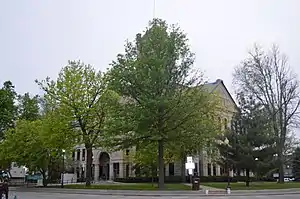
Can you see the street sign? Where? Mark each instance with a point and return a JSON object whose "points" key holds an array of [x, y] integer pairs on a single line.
{"points": [[189, 159], [190, 165]]}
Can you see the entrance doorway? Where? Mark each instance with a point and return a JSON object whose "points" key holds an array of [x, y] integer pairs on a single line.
{"points": [[104, 161]]}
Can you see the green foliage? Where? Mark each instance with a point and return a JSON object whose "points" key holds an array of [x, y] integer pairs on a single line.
{"points": [[296, 163], [250, 143], [82, 95], [37, 144], [163, 97], [145, 159], [8, 109], [28, 107]]}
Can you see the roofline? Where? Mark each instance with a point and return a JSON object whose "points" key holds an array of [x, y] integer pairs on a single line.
{"points": [[220, 81]]}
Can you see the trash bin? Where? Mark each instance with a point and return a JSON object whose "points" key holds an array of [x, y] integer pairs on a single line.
{"points": [[195, 183]]}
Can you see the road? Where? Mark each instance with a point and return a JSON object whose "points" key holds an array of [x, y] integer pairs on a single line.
{"points": [[40, 195]]}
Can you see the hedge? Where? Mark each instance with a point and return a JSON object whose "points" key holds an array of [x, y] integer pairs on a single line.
{"points": [[174, 179], [178, 179]]}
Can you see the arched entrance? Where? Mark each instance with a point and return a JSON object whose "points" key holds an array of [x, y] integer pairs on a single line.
{"points": [[104, 161]]}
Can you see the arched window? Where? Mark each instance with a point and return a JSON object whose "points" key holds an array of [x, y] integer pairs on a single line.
{"points": [[225, 124]]}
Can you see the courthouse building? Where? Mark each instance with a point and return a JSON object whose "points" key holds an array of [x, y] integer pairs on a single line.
{"points": [[108, 166]]}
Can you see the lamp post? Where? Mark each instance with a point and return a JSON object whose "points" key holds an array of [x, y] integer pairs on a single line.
{"points": [[256, 159], [63, 168], [226, 142]]}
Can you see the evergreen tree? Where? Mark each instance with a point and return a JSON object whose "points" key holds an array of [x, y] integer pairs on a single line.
{"points": [[296, 163], [8, 109], [250, 143]]}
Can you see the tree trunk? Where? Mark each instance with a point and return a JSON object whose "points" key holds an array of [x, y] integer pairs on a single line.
{"points": [[183, 171], [247, 177], [281, 168], [152, 175], [45, 180], [89, 153], [161, 169]]}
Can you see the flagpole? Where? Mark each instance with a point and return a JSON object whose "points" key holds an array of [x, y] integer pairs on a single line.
{"points": [[154, 5]]}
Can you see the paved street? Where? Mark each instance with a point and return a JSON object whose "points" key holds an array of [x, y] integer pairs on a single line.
{"points": [[40, 195]]}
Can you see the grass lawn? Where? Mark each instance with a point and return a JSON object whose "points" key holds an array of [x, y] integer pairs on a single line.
{"points": [[254, 185], [128, 186]]}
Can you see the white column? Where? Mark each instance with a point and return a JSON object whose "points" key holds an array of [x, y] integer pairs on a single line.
{"points": [[167, 170], [211, 169], [218, 170], [96, 173], [205, 169], [231, 173], [111, 171], [121, 175]]}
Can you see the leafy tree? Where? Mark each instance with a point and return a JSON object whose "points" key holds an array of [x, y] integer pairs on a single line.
{"points": [[145, 159], [37, 144], [28, 107], [296, 163], [7, 107], [162, 94], [82, 94], [267, 77]]}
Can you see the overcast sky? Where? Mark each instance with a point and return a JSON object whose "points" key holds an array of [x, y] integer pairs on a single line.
{"points": [[38, 37]]}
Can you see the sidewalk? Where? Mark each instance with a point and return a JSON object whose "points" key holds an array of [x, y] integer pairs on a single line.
{"points": [[159, 193]]}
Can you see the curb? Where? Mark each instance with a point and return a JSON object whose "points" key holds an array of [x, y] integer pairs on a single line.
{"points": [[155, 194]]}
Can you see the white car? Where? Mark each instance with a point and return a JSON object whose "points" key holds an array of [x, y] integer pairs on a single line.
{"points": [[287, 179]]}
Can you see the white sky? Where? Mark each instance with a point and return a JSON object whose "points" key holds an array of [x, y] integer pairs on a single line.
{"points": [[37, 37]]}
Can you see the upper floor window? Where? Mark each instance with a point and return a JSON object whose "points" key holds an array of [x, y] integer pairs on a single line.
{"points": [[225, 123], [78, 154], [83, 154]]}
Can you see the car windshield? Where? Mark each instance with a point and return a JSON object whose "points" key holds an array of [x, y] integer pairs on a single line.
{"points": [[4, 174]]}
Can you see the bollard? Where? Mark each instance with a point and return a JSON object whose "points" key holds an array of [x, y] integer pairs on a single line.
{"points": [[206, 191], [228, 190]]}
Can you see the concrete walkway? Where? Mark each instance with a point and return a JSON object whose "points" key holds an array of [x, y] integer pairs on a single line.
{"points": [[203, 188]]}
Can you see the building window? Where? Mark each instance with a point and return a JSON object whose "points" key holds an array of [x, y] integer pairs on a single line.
{"points": [[214, 170], [196, 169], [171, 169], [83, 154], [73, 155], [127, 170], [127, 152], [77, 172], [78, 154], [209, 169], [116, 167], [222, 171]]}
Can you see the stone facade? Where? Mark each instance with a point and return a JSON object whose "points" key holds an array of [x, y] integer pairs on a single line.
{"points": [[108, 166]]}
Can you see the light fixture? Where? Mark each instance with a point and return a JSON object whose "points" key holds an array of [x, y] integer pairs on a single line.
{"points": [[226, 141]]}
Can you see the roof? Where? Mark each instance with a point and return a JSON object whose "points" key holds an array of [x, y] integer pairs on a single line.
{"points": [[211, 87]]}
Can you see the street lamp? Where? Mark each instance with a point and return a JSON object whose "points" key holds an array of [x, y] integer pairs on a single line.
{"points": [[226, 142], [256, 159], [63, 168]]}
